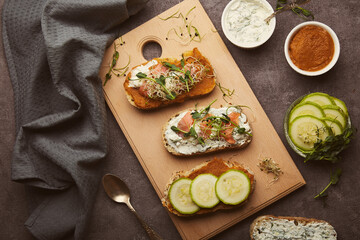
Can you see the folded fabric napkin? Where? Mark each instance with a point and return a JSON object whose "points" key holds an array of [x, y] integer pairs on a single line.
{"points": [[54, 50]]}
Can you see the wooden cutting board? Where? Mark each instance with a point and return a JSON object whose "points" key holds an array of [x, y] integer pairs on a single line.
{"points": [[143, 128]]}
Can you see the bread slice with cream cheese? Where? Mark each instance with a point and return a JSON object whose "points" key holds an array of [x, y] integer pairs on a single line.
{"points": [[269, 227], [212, 134]]}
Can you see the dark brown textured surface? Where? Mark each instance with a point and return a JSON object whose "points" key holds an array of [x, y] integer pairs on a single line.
{"points": [[274, 83]]}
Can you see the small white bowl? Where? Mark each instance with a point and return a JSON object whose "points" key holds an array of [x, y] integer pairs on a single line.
{"points": [[254, 44], [336, 48]]}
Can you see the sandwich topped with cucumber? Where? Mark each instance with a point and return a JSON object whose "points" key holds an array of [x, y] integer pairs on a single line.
{"points": [[210, 186], [319, 126]]}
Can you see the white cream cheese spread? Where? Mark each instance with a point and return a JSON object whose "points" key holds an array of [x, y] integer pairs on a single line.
{"points": [[190, 145], [276, 229], [135, 81], [245, 21]]}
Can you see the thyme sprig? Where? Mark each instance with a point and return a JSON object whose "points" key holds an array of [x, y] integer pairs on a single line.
{"points": [[293, 5]]}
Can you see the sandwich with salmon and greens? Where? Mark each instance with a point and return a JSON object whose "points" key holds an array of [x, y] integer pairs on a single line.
{"points": [[163, 81], [199, 131]]}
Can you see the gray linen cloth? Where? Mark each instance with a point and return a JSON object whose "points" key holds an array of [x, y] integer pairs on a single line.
{"points": [[54, 50]]}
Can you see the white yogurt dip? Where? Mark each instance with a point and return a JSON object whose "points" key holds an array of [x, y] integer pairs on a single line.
{"points": [[244, 24]]}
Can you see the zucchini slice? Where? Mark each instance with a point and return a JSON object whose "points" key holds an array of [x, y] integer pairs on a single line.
{"points": [[180, 199], [306, 130], [202, 190], [306, 108], [334, 126], [319, 98], [233, 187], [341, 104], [335, 112]]}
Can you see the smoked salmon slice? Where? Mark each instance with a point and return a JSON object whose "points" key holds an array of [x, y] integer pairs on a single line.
{"points": [[229, 127], [186, 122]]}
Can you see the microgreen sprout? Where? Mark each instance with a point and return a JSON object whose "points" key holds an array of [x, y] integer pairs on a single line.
{"points": [[161, 81], [117, 71], [334, 178]]}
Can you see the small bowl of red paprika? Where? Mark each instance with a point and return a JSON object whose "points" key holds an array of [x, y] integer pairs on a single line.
{"points": [[312, 48]]}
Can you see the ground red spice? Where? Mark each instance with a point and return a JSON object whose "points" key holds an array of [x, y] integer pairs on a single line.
{"points": [[312, 48]]}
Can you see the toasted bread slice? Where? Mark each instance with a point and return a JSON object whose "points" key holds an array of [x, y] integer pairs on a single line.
{"points": [[206, 83], [216, 167], [271, 228], [209, 146]]}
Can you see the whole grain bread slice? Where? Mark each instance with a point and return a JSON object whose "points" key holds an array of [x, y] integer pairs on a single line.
{"points": [[261, 227], [173, 151], [205, 86], [216, 167]]}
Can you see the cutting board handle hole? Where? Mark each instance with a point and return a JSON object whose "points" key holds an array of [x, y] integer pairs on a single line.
{"points": [[151, 49]]}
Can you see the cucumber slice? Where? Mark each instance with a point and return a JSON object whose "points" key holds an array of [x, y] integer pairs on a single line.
{"points": [[306, 108], [233, 187], [334, 126], [306, 130], [318, 98], [202, 191], [342, 105], [335, 112], [180, 198]]}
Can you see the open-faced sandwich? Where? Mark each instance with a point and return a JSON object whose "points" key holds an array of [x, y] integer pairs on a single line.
{"points": [[211, 186], [164, 81], [198, 131], [273, 228]]}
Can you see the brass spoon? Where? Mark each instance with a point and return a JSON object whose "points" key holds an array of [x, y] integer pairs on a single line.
{"points": [[117, 190]]}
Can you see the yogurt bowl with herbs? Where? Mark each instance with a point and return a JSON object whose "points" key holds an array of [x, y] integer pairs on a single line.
{"points": [[243, 22]]}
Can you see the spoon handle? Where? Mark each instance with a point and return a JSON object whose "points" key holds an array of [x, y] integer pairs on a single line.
{"points": [[151, 233]]}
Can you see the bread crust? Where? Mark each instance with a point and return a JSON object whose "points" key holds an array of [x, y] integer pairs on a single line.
{"points": [[173, 151], [216, 167], [297, 220], [205, 86]]}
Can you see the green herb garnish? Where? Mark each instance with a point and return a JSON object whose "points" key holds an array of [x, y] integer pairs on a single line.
{"points": [[334, 178], [225, 91], [192, 32], [160, 81], [117, 71], [174, 68], [330, 148]]}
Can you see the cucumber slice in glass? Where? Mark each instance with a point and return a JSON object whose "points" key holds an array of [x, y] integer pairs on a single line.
{"points": [[335, 112], [334, 126], [319, 98], [306, 108], [306, 130], [180, 199], [233, 187], [202, 190], [342, 105]]}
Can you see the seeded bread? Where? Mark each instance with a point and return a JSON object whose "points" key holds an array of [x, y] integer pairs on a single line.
{"points": [[172, 150], [273, 228], [205, 86], [216, 167]]}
